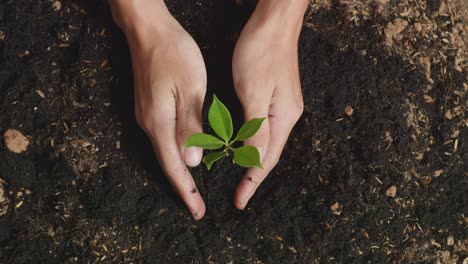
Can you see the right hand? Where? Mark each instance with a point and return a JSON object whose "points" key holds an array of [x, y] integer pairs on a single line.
{"points": [[266, 76], [170, 85]]}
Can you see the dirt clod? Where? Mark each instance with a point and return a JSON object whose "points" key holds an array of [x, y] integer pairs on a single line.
{"points": [[349, 110], [437, 173], [336, 208], [393, 29], [391, 191], [450, 241], [454, 112], [57, 5], [426, 180], [15, 141]]}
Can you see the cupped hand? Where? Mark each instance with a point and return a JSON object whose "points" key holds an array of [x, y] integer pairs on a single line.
{"points": [[170, 85], [267, 82]]}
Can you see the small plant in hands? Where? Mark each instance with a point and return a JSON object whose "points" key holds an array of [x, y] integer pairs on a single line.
{"points": [[221, 123]]}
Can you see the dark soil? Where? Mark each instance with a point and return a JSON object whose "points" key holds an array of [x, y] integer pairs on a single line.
{"points": [[89, 188]]}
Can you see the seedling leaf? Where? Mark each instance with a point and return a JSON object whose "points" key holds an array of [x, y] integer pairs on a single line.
{"points": [[205, 141], [212, 157], [249, 129], [220, 119], [221, 122], [247, 157]]}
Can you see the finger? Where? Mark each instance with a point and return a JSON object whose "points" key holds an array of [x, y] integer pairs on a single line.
{"points": [[162, 132], [255, 176], [176, 171], [257, 107], [189, 121], [280, 126]]}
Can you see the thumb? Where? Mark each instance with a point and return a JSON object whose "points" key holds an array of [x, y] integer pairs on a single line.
{"points": [[261, 138], [189, 112]]}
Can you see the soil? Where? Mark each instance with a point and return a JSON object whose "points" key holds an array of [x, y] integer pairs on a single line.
{"points": [[374, 172]]}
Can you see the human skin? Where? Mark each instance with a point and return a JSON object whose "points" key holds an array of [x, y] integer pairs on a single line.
{"points": [[266, 78], [170, 86]]}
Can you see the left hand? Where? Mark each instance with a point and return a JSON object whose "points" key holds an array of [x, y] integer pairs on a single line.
{"points": [[266, 78]]}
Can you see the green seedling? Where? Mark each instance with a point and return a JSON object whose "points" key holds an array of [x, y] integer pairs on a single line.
{"points": [[221, 123]]}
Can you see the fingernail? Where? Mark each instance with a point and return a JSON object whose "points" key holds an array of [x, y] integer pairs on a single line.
{"points": [[249, 189], [260, 151], [240, 204], [243, 204], [192, 156], [195, 216]]}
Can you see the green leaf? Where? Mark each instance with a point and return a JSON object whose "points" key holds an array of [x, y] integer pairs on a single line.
{"points": [[212, 157], [220, 119], [247, 157], [205, 141], [249, 129]]}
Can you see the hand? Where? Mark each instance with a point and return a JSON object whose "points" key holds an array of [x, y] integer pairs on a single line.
{"points": [[170, 85], [266, 78]]}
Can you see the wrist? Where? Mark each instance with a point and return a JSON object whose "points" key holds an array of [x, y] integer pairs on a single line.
{"points": [[137, 17], [281, 14]]}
